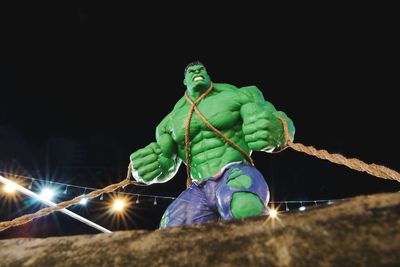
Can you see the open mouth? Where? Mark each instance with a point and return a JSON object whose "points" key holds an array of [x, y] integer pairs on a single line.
{"points": [[198, 78]]}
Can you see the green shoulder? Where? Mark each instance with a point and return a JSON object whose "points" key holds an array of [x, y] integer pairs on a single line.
{"points": [[253, 93], [181, 103], [164, 126], [221, 87]]}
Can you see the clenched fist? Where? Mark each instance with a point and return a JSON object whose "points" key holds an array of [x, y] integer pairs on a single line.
{"points": [[262, 129], [149, 165]]}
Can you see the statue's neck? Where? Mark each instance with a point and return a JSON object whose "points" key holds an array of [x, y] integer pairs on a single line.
{"points": [[195, 94]]}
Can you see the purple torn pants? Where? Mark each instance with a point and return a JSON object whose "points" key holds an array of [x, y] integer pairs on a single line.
{"points": [[210, 199]]}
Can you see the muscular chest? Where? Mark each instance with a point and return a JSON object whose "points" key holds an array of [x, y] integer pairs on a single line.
{"points": [[222, 113]]}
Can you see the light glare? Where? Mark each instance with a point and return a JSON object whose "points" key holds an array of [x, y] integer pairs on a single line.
{"points": [[47, 194], [83, 201], [273, 213], [302, 208], [9, 188], [118, 205]]}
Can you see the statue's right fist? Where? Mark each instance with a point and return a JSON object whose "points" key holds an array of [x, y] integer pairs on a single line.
{"points": [[145, 163]]}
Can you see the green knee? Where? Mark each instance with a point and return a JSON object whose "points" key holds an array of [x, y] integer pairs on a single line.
{"points": [[240, 182], [164, 220], [234, 173], [246, 204]]}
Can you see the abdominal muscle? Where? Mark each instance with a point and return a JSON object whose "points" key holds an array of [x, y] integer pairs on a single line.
{"points": [[210, 154]]}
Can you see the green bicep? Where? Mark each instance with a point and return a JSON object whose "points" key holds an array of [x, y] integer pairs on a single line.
{"points": [[167, 145], [164, 139]]}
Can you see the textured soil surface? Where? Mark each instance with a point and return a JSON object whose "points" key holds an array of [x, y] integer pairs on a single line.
{"points": [[361, 231]]}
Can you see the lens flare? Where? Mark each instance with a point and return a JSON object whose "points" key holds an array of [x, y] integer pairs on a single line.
{"points": [[47, 193], [273, 213], [9, 188], [118, 205], [118, 211]]}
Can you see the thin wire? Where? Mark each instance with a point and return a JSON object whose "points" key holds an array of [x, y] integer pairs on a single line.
{"points": [[306, 201], [157, 196], [83, 187]]}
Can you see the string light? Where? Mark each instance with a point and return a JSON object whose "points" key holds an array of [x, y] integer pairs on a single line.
{"points": [[47, 193], [9, 188], [50, 193], [68, 186], [30, 185], [118, 205], [83, 201], [52, 204], [273, 213], [302, 208]]}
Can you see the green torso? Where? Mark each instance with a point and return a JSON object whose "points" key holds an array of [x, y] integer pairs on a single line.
{"points": [[244, 120], [209, 152]]}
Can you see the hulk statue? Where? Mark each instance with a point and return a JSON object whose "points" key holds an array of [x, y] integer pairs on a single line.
{"points": [[213, 129]]}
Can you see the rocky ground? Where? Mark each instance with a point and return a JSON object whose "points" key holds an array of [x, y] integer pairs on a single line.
{"points": [[362, 231]]}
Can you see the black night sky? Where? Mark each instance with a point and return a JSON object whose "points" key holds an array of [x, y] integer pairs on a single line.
{"points": [[84, 87]]}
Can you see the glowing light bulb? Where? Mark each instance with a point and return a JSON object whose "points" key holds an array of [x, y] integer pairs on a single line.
{"points": [[47, 194], [273, 213], [83, 201], [9, 188], [118, 205]]}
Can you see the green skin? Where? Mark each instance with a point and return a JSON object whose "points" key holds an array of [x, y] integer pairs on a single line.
{"points": [[240, 114]]}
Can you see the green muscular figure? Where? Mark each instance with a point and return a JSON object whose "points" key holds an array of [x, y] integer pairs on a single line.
{"points": [[213, 129]]}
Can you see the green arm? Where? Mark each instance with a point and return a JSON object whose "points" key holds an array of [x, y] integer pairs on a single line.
{"points": [[157, 162], [262, 129], [169, 160]]}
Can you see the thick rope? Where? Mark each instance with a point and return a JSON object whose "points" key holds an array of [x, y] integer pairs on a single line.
{"points": [[63, 205], [187, 130], [212, 128], [220, 134], [355, 164]]}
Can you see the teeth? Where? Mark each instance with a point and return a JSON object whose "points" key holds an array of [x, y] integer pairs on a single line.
{"points": [[198, 78]]}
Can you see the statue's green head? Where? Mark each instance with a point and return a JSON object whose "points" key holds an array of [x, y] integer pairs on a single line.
{"points": [[196, 77]]}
